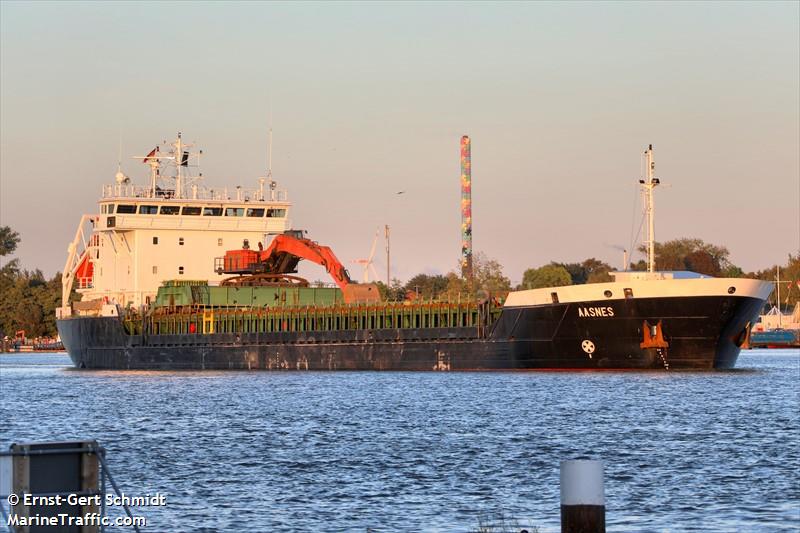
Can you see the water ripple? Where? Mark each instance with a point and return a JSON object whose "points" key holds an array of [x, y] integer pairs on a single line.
{"points": [[260, 451]]}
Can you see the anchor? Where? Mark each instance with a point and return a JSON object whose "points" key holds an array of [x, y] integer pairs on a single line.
{"points": [[743, 339], [653, 337]]}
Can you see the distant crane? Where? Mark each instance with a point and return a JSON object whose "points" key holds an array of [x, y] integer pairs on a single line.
{"points": [[367, 264]]}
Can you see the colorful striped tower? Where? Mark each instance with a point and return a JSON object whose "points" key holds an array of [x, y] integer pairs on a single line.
{"points": [[466, 208]]}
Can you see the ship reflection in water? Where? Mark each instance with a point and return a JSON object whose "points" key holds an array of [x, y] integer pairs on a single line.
{"points": [[402, 451]]}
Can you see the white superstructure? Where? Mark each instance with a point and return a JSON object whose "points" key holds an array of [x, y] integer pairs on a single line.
{"points": [[173, 228], [640, 285]]}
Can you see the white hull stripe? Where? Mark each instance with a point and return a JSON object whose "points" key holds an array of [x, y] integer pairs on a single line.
{"points": [[662, 288]]}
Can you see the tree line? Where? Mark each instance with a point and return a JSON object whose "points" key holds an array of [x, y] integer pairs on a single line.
{"points": [[680, 254], [28, 300]]}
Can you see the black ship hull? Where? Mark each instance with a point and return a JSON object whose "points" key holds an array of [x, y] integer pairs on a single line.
{"points": [[698, 332]]}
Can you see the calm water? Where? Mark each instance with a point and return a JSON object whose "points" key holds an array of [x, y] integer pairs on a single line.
{"points": [[259, 451]]}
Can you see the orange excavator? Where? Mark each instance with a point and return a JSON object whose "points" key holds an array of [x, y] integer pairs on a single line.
{"points": [[275, 265]]}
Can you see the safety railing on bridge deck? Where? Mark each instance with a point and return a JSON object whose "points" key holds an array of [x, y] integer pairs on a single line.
{"points": [[237, 194]]}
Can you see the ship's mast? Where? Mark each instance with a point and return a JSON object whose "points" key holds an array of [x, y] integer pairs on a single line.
{"points": [[648, 185], [269, 165], [180, 156], [269, 156], [178, 164], [268, 179], [154, 163]]}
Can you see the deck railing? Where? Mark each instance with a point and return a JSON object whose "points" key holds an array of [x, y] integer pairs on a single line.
{"points": [[225, 194], [209, 320]]}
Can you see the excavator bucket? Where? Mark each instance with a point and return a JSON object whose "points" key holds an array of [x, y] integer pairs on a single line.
{"points": [[361, 293]]}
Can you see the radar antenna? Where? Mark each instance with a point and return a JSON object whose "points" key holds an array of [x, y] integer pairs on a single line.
{"points": [[180, 157]]}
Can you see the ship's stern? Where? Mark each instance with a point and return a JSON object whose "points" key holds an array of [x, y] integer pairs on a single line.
{"points": [[89, 336]]}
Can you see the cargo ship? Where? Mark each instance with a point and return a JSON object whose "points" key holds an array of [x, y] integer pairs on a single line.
{"points": [[262, 316]]}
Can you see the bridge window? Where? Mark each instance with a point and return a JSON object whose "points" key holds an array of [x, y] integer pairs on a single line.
{"points": [[193, 210], [124, 208], [212, 211], [219, 242], [155, 270], [170, 210], [148, 209], [180, 241], [234, 211], [180, 270], [276, 213], [155, 240], [554, 297], [255, 212]]}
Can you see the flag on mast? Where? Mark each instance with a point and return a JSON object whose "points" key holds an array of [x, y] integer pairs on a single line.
{"points": [[150, 155]]}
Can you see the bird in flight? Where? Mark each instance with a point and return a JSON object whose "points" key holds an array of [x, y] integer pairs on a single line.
{"points": [[401, 192]]}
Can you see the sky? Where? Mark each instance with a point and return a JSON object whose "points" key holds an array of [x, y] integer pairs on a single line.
{"points": [[369, 99]]}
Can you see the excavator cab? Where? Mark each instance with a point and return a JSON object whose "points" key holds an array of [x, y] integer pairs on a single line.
{"points": [[296, 233]]}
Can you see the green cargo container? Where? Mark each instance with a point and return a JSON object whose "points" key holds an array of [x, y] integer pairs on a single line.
{"points": [[199, 294]]}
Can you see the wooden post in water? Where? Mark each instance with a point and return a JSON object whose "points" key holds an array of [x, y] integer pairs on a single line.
{"points": [[583, 504]]}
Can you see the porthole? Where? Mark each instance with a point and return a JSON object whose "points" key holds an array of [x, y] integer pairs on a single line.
{"points": [[731, 290], [607, 294]]}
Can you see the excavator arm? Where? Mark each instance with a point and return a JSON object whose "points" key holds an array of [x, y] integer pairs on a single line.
{"points": [[286, 251], [282, 257]]}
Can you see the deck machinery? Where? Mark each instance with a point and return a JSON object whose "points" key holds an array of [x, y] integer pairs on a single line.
{"points": [[274, 266], [263, 296]]}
